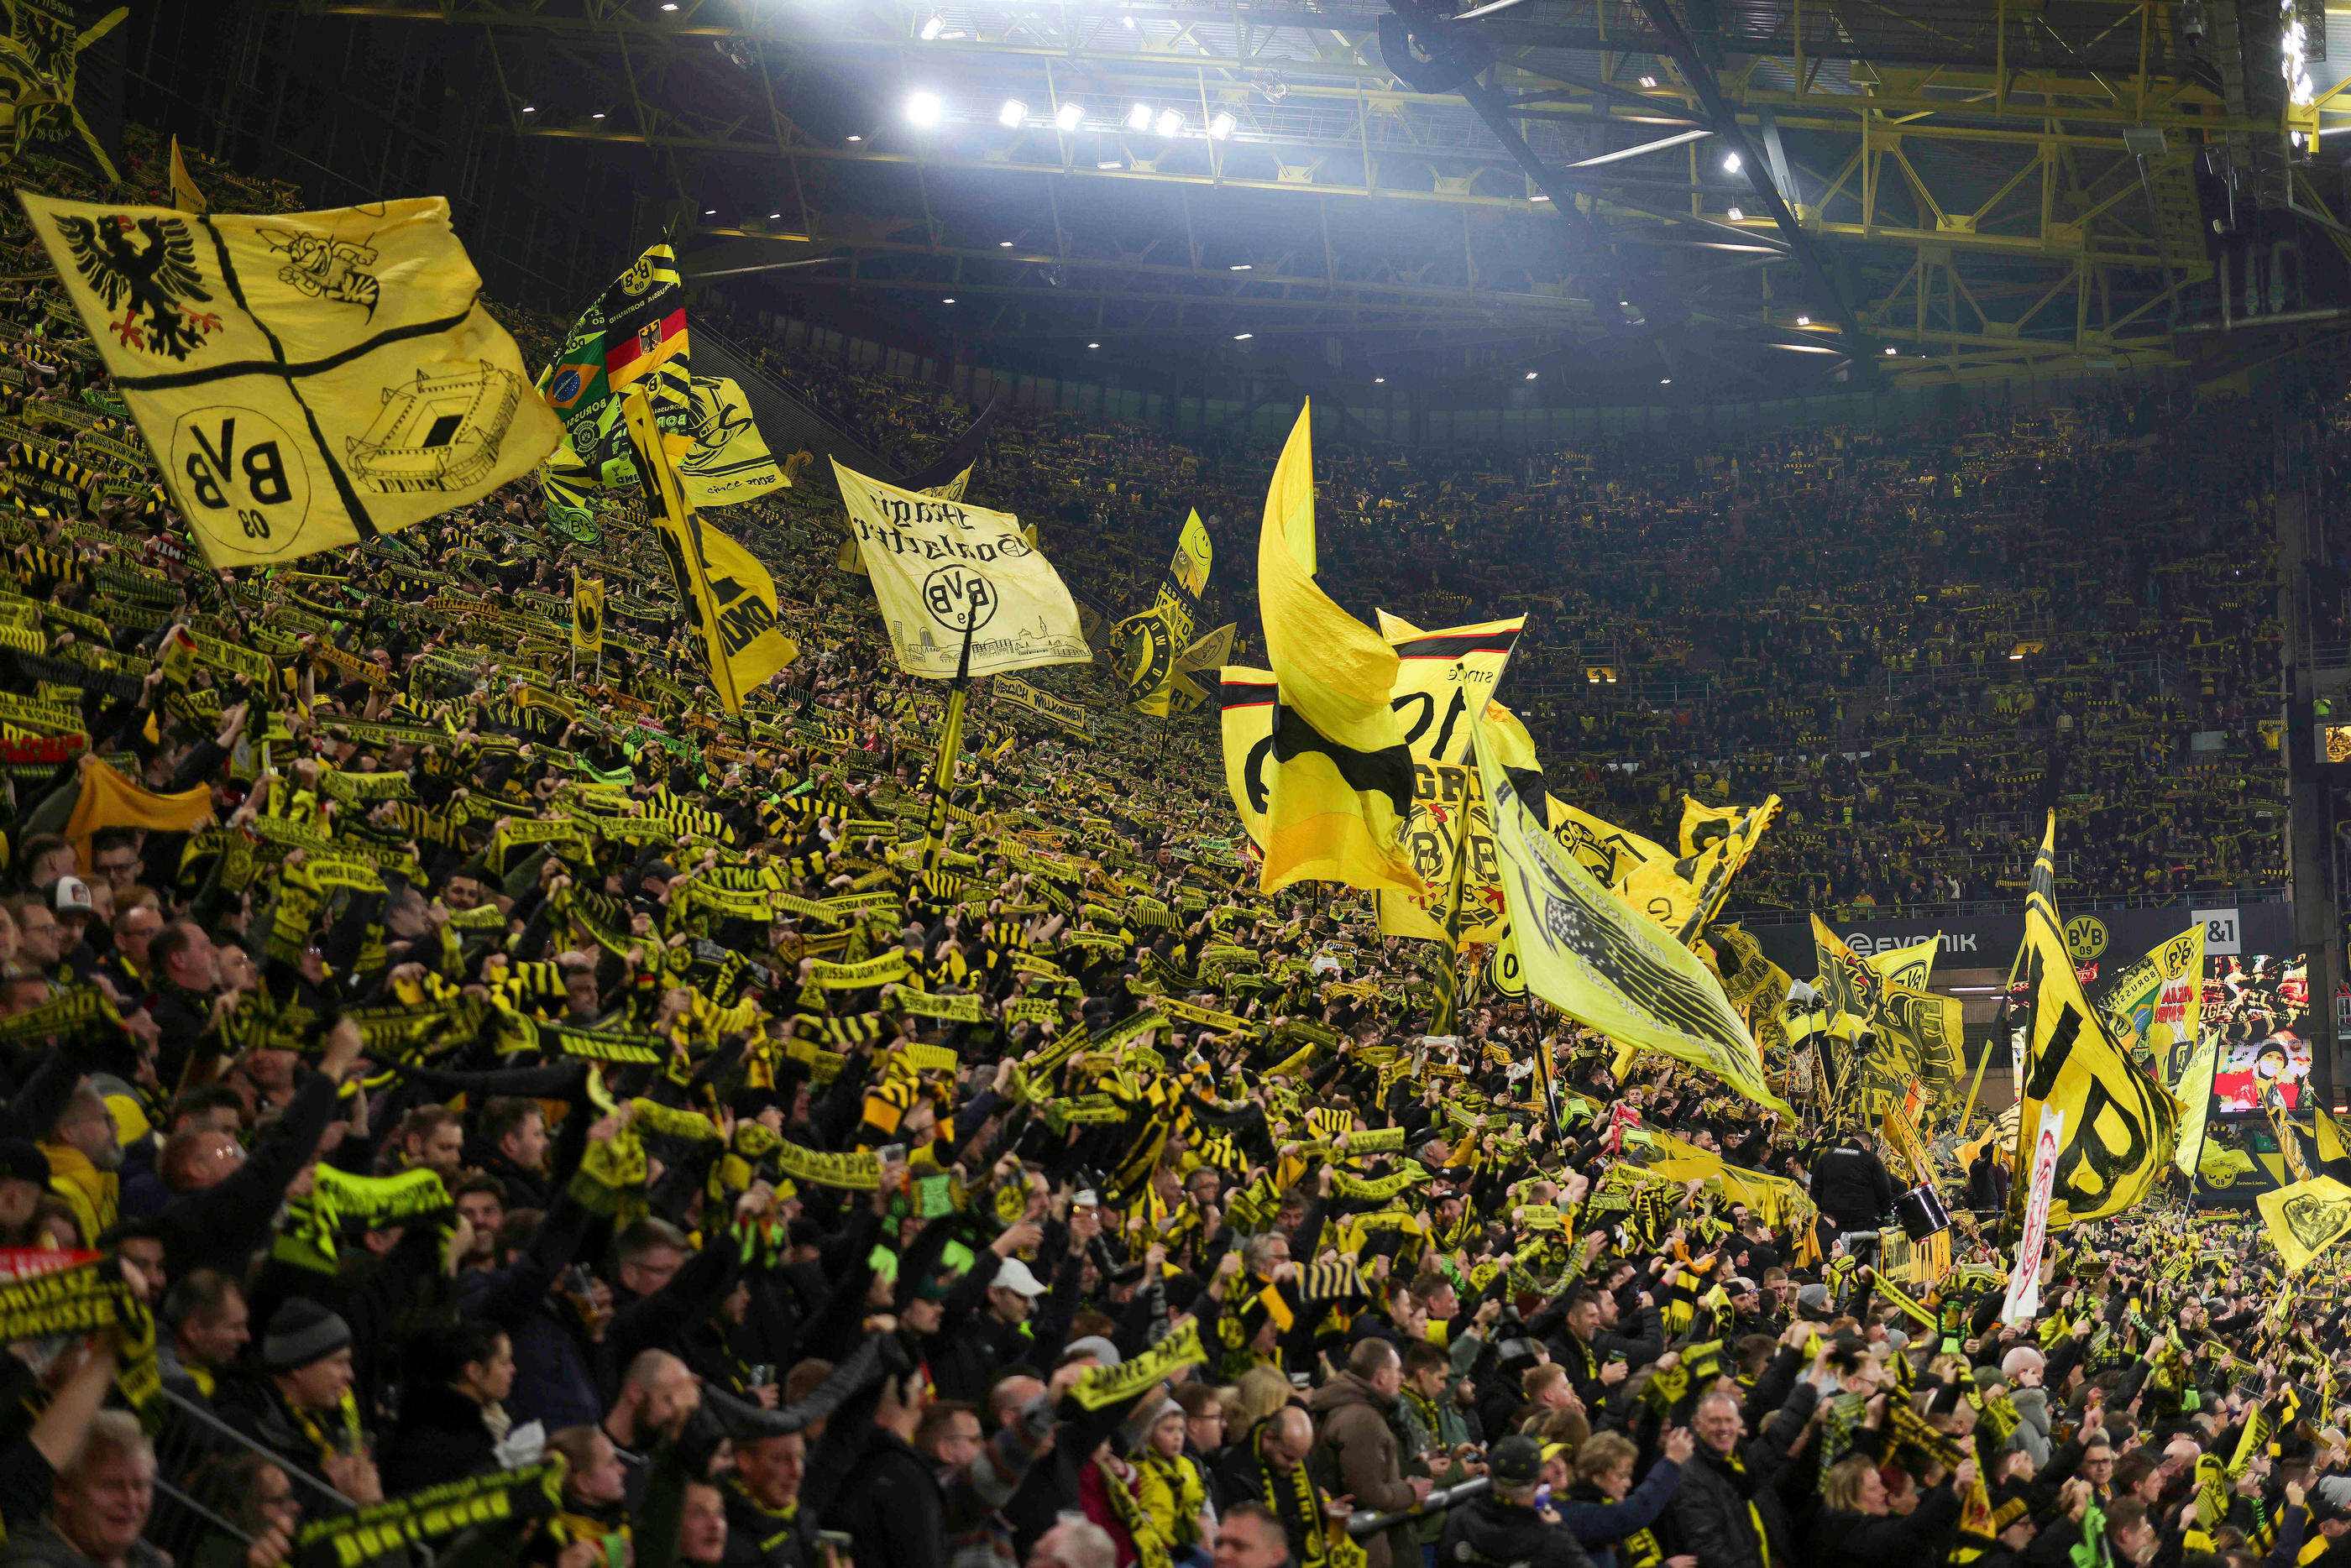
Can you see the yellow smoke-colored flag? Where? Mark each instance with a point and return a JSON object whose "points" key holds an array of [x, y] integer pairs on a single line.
{"points": [[1600, 962], [587, 613], [2121, 1126], [306, 380], [184, 194], [725, 593], [2194, 1093], [1245, 699], [2306, 1219], [1716, 841], [1342, 776], [2331, 1145]]}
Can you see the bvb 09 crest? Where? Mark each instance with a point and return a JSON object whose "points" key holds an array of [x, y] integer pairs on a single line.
{"points": [[2086, 938]]}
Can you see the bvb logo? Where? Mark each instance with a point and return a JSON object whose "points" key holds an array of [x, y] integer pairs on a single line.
{"points": [[242, 472], [638, 278], [2086, 938], [959, 598]]}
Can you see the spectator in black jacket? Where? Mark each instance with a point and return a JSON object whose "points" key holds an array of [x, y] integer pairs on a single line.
{"points": [[1850, 1186]]}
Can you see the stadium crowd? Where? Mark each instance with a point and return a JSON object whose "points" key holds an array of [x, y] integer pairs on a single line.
{"points": [[437, 1069]]}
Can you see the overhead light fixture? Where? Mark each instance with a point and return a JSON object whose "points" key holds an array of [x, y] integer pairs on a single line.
{"points": [[924, 109], [1093, 344], [1013, 112], [1730, 163], [1623, 153], [1664, 380], [1538, 196], [1004, 244], [1737, 216], [948, 300], [1070, 115], [1238, 266], [669, 5], [1379, 380], [1221, 125], [773, 216], [1110, 163], [1139, 118], [932, 27], [1169, 122], [533, 108], [1130, 22], [1804, 321], [1890, 349], [1648, 82], [1803, 347], [598, 115], [709, 212], [1243, 336], [857, 139], [1531, 374]]}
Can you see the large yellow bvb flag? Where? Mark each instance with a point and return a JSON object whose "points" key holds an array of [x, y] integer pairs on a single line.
{"points": [[306, 380], [1341, 774]]}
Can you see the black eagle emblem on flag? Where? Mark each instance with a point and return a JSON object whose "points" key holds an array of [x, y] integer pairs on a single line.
{"points": [[150, 266]]}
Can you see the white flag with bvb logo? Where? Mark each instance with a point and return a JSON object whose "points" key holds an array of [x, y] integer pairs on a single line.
{"points": [[939, 566], [307, 380]]}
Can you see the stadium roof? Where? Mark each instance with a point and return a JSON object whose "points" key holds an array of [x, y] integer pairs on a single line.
{"points": [[1751, 197]]}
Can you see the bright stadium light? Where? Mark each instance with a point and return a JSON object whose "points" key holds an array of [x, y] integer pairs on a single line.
{"points": [[1533, 374], [1737, 216], [1221, 126], [1240, 266], [1804, 321], [1891, 349], [1139, 118], [1379, 380], [1069, 116], [1093, 344], [1648, 82], [1243, 336], [1013, 112], [1004, 244], [933, 27], [924, 109], [1170, 122], [1730, 163]]}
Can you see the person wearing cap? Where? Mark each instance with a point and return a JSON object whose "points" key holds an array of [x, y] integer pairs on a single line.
{"points": [[974, 1327], [1505, 1527], [76, 909], [299, 1406]]}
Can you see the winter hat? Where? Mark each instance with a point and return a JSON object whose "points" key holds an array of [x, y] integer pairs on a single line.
{"points": [[301, 1332]]}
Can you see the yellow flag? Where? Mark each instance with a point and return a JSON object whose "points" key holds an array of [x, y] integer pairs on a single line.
{"points": [[728, 460], [1185, 692], [1245, 699], [941, 567], [2121, 1127], [587, 613], [184, 194], [725, 593], [1444, 678], [2194, 1091], [1448, 820], [1716, 841], [1911, 966], [1584, 953], [2155, 1006], [306, 380], [2306, 1219], [2331, 1147], [1147, 645], [1342, 776]]}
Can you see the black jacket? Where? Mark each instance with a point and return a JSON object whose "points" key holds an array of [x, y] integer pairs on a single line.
{"points": [[1864, 1541], [1708, 1514], [1851, 1187], [1486, 1532], [890, 1506], [440, 1436]]}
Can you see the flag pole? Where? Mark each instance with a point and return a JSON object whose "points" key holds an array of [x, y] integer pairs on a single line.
{"points": [[950, 742], [1448, 995]]}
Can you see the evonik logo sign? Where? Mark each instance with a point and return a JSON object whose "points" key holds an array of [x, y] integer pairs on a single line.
{"points": [[1864, 946]]}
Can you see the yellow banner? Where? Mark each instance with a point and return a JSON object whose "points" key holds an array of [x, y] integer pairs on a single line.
{"points": [[1443, 678], [2121, 1126], [587, 613], [727, 593], [730, 459], [1146, 646], [2155, 1007], [1448, 818], [295, 403], [1584, 953], [942, 567], [2306, 1219]]}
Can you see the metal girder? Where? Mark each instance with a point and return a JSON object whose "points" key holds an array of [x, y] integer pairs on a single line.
{"points": [[1956, 165]]}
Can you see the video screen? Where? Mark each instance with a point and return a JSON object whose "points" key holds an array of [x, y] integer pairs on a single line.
{"points": [[2255, 1007]]}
